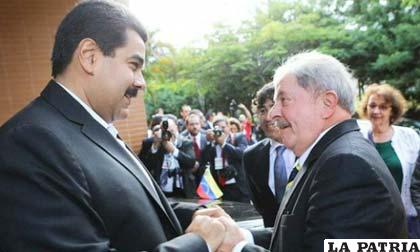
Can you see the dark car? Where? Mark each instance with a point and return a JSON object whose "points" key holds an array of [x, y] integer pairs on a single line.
{"points": [[244, 214]]}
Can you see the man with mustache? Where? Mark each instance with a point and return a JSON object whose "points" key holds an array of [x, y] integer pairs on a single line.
{"points": [[341, 188], [267, 163], [69, 183]]}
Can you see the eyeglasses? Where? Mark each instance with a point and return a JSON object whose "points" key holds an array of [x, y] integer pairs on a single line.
{"points": [[381, 107]]}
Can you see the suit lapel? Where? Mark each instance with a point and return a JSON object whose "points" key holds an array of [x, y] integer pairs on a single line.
{"points": [[97, 134], [72, 110], [263, 156], [203, 141]]}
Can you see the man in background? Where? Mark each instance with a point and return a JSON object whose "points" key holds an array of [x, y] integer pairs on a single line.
{"points": [[170, 159], [340, 188], [197, 136], [224, 155], [267, 163], [184, 112]]}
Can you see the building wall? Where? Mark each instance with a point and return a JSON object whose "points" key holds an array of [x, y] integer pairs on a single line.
{"points": [[27, 29]]}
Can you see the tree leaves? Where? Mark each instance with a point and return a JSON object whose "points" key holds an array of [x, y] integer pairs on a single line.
{"points": [[379, 40]]}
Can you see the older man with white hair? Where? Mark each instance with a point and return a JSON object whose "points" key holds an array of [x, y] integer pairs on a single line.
{"points": [[340, 187]]}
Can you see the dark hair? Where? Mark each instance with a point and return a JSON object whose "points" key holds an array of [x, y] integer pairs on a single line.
{"points": [[103, 21], [156, 120], [266, 92]]}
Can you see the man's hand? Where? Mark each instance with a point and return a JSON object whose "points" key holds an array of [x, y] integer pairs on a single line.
{"points": [[169, 146], [233, 236], [213, 212], [241, 106], [195, 167], [210, 229], [210, 135]]}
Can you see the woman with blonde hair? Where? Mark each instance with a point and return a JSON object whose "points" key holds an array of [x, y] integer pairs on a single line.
{"points": [[235, 125], [398, 146]]}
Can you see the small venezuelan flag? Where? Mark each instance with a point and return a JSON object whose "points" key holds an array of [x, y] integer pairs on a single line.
{"points": [[208, 188]]}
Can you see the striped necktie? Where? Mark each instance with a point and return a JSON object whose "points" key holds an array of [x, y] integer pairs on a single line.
{"points": [[296, 169]]}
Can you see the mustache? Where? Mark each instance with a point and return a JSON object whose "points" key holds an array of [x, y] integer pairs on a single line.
{"points": [[281, 124], [131, 92]]}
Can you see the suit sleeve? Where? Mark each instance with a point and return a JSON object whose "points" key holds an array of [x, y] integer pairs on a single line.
{"points": [[146, 156], [45, 197], [205, 158], [415, 185], [236, 151], [186, 155], [143, 150], [187, 242], [46, 203], [184, 212], [248, 162]]}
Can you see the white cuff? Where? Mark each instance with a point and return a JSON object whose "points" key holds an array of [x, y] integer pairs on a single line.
{"points": [[176, 153], [238, 247], [248, 235], [153, 149], [208, 247]]}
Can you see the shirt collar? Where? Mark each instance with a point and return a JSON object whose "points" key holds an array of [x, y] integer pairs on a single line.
{"points": [[273, 145], [109, 126]]}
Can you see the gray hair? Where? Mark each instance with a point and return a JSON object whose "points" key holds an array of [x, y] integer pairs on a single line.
{"points": [[320, 72]]}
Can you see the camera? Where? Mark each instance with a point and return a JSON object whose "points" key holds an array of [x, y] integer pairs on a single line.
{"points": [[217, 131], [166, 134], [229, 172]]}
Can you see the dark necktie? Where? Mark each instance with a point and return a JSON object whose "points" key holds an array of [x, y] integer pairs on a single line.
{"points": [[197, 150], [280, 174], [296, 169]]}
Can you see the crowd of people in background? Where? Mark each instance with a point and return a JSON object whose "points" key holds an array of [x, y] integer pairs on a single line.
{"points": [[196, 142]]}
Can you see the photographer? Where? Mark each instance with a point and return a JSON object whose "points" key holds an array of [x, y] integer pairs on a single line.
{"points": [[169, 159], [224, 154]]}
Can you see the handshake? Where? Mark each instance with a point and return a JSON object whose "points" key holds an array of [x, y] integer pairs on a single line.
{"points": [[217, 228]]}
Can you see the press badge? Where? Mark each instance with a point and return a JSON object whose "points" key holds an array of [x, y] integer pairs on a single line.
{"points": [[218, 163]]}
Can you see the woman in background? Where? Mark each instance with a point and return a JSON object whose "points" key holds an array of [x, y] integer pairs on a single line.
{"points": [[398, 146]]}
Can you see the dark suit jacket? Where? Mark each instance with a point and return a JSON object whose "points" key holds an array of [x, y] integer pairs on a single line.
{"points": [[67, 185], [256, 162], [203, 139], [234, 154], [153, 162], [344, 190], [415, 185]]}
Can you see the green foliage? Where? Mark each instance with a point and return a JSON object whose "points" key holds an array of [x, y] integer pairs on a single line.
{"points": [[378, 40]]}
